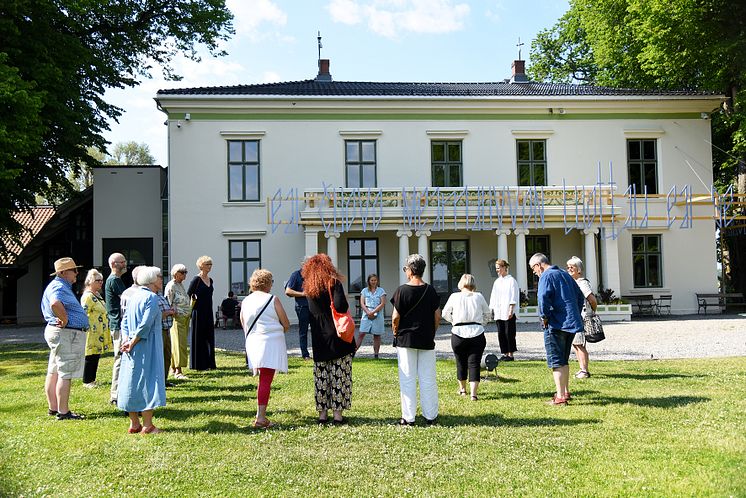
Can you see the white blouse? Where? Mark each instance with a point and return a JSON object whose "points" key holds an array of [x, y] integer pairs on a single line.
{"points": [[504, 293], [470, 308]]}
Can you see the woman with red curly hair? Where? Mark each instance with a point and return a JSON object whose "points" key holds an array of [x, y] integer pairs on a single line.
{"points": [[332, 357]]}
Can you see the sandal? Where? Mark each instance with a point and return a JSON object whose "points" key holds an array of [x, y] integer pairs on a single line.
{"points": [[69, 416], [151, 430], [557, 401], [582, 374], [263, 425], [474, 398], [462, 392], [134, 430], [404, 423], [342, 421]]}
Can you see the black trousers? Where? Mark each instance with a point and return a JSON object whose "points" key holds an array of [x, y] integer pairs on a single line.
{"points": [[468, 353], [506, 335], [90, 367]]}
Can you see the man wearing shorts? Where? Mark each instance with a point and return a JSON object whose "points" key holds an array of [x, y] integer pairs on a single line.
{"points": [[560, 302], [65, 333]]}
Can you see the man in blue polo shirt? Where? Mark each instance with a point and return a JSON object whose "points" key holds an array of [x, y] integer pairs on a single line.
{"points": [[560, 302], [294, 289], [65, 334]]}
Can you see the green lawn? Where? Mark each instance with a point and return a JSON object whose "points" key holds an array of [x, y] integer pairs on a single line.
{"points": [[638, 428]]}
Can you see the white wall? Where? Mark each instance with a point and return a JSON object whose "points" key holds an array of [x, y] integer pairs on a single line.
{"points": [[127, 203], [305, 154]]}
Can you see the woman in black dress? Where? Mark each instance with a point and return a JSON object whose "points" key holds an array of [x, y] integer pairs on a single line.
{"points": [[202, 354], [332, 357]]}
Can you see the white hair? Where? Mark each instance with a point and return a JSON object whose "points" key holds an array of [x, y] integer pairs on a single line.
{"points": [[92, 275], [576, 262], [147, 275], [135, 271], [177, 268], [115, 255], [538, 259]]}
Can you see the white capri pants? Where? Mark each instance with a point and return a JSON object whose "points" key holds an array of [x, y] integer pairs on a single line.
{"points": [[414, 365]]}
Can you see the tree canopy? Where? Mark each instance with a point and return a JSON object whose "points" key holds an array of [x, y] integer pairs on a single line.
{"points": [[57, 58], [663, 44]]}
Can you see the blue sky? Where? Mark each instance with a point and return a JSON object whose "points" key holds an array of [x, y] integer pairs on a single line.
{"points": [[366, 40]]}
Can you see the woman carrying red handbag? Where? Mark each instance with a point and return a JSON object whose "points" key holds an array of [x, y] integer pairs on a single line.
{"points": [[332, 356]]}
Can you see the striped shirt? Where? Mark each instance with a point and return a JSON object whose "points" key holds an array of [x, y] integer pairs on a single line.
{"points": [[61, 290], [167, 321]]}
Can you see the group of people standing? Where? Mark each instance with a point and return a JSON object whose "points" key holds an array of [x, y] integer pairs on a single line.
{"points": [[145, 326], [147, 331]]}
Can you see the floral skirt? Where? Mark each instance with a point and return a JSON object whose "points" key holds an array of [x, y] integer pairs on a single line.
{"points": [[333, 384]]}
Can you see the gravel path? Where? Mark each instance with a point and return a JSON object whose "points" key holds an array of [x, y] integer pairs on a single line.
{"points": [[674, 337]]}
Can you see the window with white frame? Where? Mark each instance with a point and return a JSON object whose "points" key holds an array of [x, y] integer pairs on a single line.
{"points": [[647, 261], [360, 163], [362, 260], [243, 170], [532, 162], [447, 165], [642, 165], [244, 257]]}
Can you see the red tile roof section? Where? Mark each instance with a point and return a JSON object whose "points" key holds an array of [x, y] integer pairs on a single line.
{"points": [[32, 221]]}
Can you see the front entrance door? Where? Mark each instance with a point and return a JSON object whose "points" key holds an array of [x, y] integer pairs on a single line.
{"points": [[449, 259]]}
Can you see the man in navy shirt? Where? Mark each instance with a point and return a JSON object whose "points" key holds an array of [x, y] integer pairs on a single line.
{"points": [[65, 334], [560, 303], [294, 288], [113, 293]]}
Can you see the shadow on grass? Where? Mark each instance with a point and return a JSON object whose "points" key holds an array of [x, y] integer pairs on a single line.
{"points": [[654, 402], [645, 376], [444, 422], [499, 379], [537, 395], [217, 397], [25, 352]]}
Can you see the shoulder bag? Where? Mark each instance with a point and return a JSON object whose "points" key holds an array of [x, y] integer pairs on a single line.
{"points": [[248, 331], [343, 322], [594, 331]]}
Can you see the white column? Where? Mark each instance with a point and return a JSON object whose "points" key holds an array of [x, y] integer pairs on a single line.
{"points": [[502, 244], [403, 252], [591, 272], [610, 264], [521, 270], [423, 248], [331, 246], [312, 242]]}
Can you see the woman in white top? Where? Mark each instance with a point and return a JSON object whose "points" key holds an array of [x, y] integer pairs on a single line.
{"points": [[575, 269], [264, 322], [468, 312], [504, 301]]}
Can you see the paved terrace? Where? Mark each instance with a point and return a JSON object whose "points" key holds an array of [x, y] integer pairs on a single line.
{"points": [[690, 336]]}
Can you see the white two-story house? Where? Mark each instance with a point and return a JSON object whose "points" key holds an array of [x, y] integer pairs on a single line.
{"points": [[462, 173]]}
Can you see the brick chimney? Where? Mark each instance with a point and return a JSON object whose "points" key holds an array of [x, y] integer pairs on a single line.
{"points": [[324, 74], [519, 72]]}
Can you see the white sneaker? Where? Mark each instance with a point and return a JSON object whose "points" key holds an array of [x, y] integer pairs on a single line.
{"points": [[91, 385]]}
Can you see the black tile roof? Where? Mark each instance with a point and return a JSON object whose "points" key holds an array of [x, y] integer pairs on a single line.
{"points": [[315, 88]]}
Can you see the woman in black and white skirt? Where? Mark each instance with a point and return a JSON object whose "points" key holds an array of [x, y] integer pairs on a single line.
{"points": [[332, 357]]}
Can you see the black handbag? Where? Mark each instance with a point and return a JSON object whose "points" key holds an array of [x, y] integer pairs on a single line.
{"points": [[594, 330]]}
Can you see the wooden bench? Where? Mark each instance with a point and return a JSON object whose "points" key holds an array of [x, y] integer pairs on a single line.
{"points": [[642, 304], [720, 301]]}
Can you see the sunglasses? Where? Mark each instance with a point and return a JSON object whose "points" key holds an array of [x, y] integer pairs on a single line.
{"points": [[98, 280]]}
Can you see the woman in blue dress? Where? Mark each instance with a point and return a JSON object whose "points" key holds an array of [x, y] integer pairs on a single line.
{"points": [[142, 387], [372, 302]]}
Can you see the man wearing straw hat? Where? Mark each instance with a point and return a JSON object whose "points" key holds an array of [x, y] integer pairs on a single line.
{"points": [[65, 334]]}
